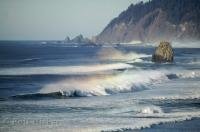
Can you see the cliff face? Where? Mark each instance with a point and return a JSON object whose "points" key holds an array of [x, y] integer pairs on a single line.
{"points": [[154, 21]]}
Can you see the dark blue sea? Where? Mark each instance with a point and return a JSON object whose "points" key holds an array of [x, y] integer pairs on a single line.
{"points": [[48, 87]]}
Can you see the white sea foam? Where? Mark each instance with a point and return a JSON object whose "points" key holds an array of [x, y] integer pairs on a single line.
{"points": [[30, 59], [188, 73], [102, 84], [127, 81], [139, 60], [103, 54], [148, 122], [151, 110], [107, 84], [62, 70]]}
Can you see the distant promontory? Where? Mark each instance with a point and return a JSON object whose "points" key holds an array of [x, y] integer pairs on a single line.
{"points": [[78, 40], [153, 21]]}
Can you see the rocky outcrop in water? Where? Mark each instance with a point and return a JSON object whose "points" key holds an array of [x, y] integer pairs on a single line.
{"points": [[163, 53], [67, 39], [78, 40]]}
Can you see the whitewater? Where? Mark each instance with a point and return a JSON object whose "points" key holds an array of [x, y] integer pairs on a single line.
{"points": [[49, 87]]}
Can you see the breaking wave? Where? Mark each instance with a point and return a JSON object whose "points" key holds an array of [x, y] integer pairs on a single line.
{"points": [[187, 74], [107, 84], [63, 70], [30, 60], [151, 110], [148, 123], [57, 95], [103, 54]]}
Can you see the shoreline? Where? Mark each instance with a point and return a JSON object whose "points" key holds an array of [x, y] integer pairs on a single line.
{"points": [[192, 125]]}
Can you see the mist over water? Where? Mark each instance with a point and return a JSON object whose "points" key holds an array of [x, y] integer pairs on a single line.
{"points": [[182, 44], [114, 54]]}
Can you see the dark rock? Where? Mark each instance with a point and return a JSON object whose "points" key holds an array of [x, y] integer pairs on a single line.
{"points": [[163, 53], [78, 40], [67, 39]]}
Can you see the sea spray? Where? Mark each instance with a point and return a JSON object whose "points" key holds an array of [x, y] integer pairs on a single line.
{"points": [[112, 53], [107, 84]]}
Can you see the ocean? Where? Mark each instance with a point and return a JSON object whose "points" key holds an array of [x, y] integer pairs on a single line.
{"points": [[48, 87]]}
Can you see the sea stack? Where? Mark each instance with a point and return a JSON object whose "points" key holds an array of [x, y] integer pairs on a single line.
{"points": [[163, 53]]}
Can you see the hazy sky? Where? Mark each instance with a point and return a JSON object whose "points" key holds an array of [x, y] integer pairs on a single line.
{"points": [[54, 19]]}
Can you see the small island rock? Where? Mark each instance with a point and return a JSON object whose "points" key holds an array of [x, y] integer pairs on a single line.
{"points": [[78, 40], [67, 40], [163, 53]]}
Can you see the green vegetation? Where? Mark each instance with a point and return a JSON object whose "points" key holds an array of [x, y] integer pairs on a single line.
{"points": [[178, 11]]}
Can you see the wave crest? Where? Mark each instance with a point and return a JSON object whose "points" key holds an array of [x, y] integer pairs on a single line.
{"points": [[107, 84], [64, 70], [151, 110]]}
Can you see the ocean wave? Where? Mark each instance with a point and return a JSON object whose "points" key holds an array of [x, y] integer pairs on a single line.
{"points": [[151, 110], [141, 61], [177, 97], [97, 85], [30, 60], [133, 80], [107, 84], [180, 73], [188, 74], [58, 95], [150, 123], [64, 70], [148, 120]]}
